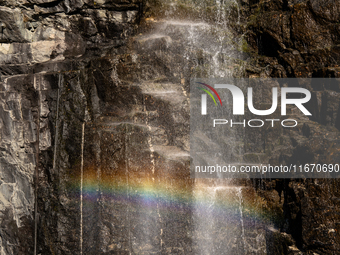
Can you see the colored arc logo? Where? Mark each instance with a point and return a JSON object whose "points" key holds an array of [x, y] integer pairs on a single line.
{"points": [[209, 93]]}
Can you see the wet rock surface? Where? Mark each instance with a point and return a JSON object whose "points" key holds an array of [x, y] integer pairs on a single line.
{"points": [[99, 107], [46, 96], [300, 39]]}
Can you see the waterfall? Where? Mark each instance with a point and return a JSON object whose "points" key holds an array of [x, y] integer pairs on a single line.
{"points": [[57, 124], [36, 177], [152, 206], [81, 186], [209, 50], [218, 218], [239, 195]]}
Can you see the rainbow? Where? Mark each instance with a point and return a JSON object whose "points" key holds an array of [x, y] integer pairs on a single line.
{"points": [[175, 196]]}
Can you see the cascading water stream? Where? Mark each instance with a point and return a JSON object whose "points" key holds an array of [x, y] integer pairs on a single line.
{"points": [[218, 217], [159, 210], [81, 187], [208, 51], [239, 195]]}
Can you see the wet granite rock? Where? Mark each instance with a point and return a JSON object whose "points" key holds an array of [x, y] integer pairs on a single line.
{"points": [[304, 44], [67, 63], [42, 108], [12, 26], [329, 10]]}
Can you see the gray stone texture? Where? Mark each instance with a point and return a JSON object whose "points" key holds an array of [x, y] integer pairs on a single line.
{"points": [[65, 63]]}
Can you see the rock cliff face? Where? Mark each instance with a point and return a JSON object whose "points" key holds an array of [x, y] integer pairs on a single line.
{"points": [[94, 111], [301, 39], [53, 54]]}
